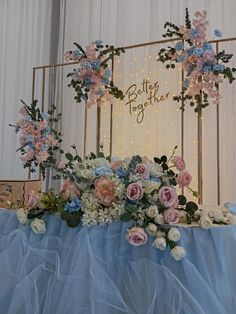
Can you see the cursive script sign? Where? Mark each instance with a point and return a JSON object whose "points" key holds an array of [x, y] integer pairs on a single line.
{"points": [[152, 97]]}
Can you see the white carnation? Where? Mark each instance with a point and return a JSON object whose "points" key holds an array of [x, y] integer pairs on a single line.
{"points": [[22, 216], [159, 219], [205, 222], [38, 226], [160, 243], [178, 252], [151, 229], [174, 234], [152, 211]]}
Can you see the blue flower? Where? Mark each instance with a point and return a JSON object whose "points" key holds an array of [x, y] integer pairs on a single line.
{"points": [[44, 148], [105, 81], [155, 179], [190, 51], [45, 115], [217, 33], [186, 83], [197, 52], [73, 206], [181, 58], [218, 67], [121, 172], [102, 171], [207, 46], [101, 92], [27, 118], [98, 42], [107, 73], [194, 33], [96, 64], [206, 68], [179, 45], [87, 81], [77, 53], [30, 138]]}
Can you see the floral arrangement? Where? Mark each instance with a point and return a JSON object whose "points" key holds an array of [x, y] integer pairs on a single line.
{"points": [[203, 67], [92, 78], [38, 138]]}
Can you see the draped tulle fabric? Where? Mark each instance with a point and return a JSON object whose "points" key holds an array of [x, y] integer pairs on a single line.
{"points": [[94, 270]]}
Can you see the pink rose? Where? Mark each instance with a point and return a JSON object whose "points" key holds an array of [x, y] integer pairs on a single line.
{"points": [[116, 164], [142, 171], [105, 190], [184, 178], [32, 199], [136, 236], [135, 191], [208, 55], [168, 196], [171, 216], [69, 189], [179, 163]]}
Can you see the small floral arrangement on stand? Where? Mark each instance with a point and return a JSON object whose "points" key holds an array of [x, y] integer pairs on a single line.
{"points": [[204, 68], [39, 139], [92, 79]]}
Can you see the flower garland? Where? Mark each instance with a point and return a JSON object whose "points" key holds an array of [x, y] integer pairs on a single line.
{"points": [[203, 67], [92, 78], [38, 139]]}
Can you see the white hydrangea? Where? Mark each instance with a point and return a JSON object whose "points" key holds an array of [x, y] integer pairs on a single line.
{"points": [[151, 229], [218, 215], [21, 215], [174, 234], [155, 169], [160, 243], [205, 222]]}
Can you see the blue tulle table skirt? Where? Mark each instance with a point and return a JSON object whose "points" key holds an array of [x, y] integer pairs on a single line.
{"points": [[94, 270]]}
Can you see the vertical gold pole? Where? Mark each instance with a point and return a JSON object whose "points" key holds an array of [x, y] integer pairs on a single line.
{"points": [[200, 182], [85, 127], [43, 89], [218, 141], [111, 110], [182, 124], [98, 127], [32, 99]]}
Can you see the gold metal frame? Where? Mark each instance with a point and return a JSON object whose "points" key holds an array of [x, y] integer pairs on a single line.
{"points": [[200, 183]]}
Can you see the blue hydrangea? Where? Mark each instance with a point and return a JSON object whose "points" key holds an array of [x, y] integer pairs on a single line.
{"points": [[44, 148], [73, 206], [98, 42], [107, 73], [217, 33], [194, 33], [102, 171], [206, 68], [105, 80], [218, 67], [198, 52], [96, 64], [179, 45], [121, 172], [87, 81], [181, 58], [207, 46], [30, 138], [190, 51], [186, 83]]}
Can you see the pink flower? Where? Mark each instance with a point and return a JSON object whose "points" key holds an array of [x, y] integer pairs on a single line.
{"points": [[184, 178], [42, 156], [208, 55], [105, 191], [168, 196], [136, 236], [179, 163], [135, 191], [69, 189], [116, 164], [32, 199], [61, 165], [142, 171], [171, 216], [43, 124]]}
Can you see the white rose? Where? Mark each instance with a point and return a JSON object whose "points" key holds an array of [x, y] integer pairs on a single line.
{"points": [[159, 219], [178, 252], [205, 222], [151, 229], [160, 243], [22, 216], [218, 215], [232, 219], [160, 234], [155, 170], [151, 186], [174, 234], [38, 226], [151, 211]]}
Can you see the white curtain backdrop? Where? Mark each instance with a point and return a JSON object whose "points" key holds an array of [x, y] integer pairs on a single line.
{"points": [[25, 30]]}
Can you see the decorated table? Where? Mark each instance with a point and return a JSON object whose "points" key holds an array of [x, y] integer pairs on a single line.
{"points": [[95, 270]]}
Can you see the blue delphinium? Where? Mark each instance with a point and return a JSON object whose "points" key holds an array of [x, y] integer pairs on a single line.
{"points": [[186, 83], [73, 206], [207, 46], [30, 138], [179, 45], [206, 68], [194, 33], [218, 67], [44, 148], [105, 80], [217, 33], [181, 58], [198, 52], [98, 42], [102, 171], [96, 64], [87, 81]]}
